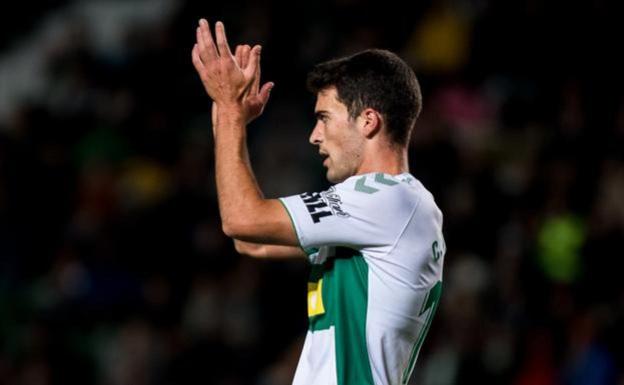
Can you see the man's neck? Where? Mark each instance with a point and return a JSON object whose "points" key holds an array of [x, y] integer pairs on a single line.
{"points": [[388, 160]]}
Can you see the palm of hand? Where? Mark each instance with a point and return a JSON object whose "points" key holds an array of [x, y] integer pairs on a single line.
{"points": [[232, 81]]}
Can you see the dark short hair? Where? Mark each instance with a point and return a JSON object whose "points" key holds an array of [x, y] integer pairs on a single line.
{"points": [[376, 79]]}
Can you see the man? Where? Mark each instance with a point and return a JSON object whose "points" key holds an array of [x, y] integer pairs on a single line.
{"points": [[374, 239]]}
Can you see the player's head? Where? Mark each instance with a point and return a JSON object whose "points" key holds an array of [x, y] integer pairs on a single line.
{"points": [[372, 94]]}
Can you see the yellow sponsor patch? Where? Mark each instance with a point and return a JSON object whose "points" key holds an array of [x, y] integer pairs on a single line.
{"points": [[315, 298]]}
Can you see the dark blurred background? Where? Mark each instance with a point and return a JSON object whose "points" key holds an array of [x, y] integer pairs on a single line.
{"points": [[113, 266]]}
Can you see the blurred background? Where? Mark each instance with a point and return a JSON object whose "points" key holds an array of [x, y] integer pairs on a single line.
{"points": [[113, 266]]}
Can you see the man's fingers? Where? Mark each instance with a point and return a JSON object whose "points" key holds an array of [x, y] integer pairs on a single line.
{"points": [[265, 92], [242, 55], [255, 87], [201, 45], [222, 43], [208, 51], [246, 51], [199, 65], [238, 54], [205, 54], [254, 63]]}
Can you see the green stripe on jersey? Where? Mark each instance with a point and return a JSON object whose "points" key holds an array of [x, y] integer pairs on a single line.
{"points": [[380, 178], [345, 300], [362, 187], [431, 303]]}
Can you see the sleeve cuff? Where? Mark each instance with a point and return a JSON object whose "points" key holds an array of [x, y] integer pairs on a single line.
{"points": [[285, 202]]}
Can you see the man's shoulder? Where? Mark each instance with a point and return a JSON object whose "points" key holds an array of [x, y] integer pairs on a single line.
{"points": [[379, 183], [380, 191]]}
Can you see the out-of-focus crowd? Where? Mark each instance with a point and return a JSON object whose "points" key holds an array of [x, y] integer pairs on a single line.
{"points": [[113, 266]]}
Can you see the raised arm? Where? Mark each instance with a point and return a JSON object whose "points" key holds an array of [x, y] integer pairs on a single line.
{"points": [[245, 214], [258, 250]]}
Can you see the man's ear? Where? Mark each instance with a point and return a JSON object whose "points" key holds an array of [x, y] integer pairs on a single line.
{"points": [[370, 122]]}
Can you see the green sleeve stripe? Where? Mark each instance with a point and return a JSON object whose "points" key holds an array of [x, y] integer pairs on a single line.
{"points": [[431, 302], [292, 221]]}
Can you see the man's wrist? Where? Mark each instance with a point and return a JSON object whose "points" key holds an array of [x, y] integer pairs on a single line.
{"points": [[231, 114]]}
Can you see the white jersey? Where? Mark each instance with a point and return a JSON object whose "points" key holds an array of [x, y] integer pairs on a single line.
{"points": [[376, 247]]}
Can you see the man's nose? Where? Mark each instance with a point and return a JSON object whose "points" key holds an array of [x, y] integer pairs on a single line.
{"points": [[315, 136]]}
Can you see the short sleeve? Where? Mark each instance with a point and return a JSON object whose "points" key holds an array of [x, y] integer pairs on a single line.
{"points": [[357, 213]]}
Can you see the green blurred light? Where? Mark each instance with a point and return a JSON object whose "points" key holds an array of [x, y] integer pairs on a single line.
{"points": [[559, 242]]}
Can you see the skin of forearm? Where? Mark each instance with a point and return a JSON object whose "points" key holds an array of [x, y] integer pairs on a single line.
{"points": [[237, 190], [257, 250], [248, 248]]}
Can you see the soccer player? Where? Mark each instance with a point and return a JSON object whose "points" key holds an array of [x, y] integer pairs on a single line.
{"points": [[374, 239]]}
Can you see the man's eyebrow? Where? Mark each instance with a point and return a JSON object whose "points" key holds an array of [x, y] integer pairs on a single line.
{"points": [[320, 114]]}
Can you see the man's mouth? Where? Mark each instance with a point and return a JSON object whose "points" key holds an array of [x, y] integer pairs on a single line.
{"points": [[325, 158]]}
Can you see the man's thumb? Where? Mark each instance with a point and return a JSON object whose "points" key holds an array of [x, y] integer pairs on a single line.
{"points": [[265, 92]]}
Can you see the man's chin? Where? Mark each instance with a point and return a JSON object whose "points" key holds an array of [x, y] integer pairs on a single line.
{"points": [[334, 178]]}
